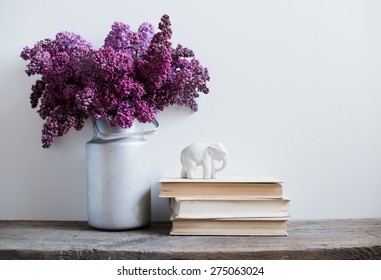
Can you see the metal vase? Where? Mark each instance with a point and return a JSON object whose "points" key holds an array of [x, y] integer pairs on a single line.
{"points": [[118, 177]]}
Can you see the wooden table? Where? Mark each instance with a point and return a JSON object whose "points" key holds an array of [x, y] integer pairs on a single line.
{"points": [[312, 239]]}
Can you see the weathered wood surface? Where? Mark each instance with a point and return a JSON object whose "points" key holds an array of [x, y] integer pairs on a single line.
{"points": [[315, 239]]}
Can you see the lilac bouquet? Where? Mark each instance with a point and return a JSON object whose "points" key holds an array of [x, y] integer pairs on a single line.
{"points": [[134, 75]]}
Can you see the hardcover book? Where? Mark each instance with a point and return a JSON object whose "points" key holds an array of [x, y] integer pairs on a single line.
{"points": [[250, 226], [234, 205], [202, 208], [266, 187]]}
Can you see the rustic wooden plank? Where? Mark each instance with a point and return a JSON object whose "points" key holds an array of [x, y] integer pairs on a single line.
{"points": [[314, 239]]}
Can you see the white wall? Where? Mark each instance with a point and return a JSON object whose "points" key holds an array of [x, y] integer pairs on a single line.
{"points": [[295, 93]]}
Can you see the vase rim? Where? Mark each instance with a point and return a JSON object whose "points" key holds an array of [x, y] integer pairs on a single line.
{"points": [[104, 130], [105, 127]]}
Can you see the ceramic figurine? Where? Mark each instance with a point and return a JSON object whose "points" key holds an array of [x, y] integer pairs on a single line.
{"points": [[203, 154]]}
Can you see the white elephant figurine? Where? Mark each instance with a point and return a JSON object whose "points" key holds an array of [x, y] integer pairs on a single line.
{"points": [[203, 154]]}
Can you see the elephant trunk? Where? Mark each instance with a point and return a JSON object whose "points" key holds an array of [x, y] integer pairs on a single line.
{"points": [[225, 161]]}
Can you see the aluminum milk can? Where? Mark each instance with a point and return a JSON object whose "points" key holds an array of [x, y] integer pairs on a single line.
{"points": [[118, 177]]}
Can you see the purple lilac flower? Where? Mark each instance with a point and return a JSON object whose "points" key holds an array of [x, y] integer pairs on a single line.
{"points": [[133, 76], [186, 78], [61, 84], [153, 67], [144, 112], [119, 37], [37, 91], [109, 65], [145, 34], [49, 132]]}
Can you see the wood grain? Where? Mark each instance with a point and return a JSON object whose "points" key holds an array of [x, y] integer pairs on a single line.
{"points": [[314, 239]]}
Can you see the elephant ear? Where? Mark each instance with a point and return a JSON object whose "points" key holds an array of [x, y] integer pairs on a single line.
{"points": [[213, 150]]}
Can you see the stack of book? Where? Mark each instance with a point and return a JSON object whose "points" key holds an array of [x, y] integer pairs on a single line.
{"points": [[227, 206]]}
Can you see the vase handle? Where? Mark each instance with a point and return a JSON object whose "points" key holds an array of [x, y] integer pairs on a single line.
{"points": [[110, 136], [153, 131]]}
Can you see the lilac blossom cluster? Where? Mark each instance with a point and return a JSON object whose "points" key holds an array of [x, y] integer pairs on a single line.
{"points": [[134, 75]]}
